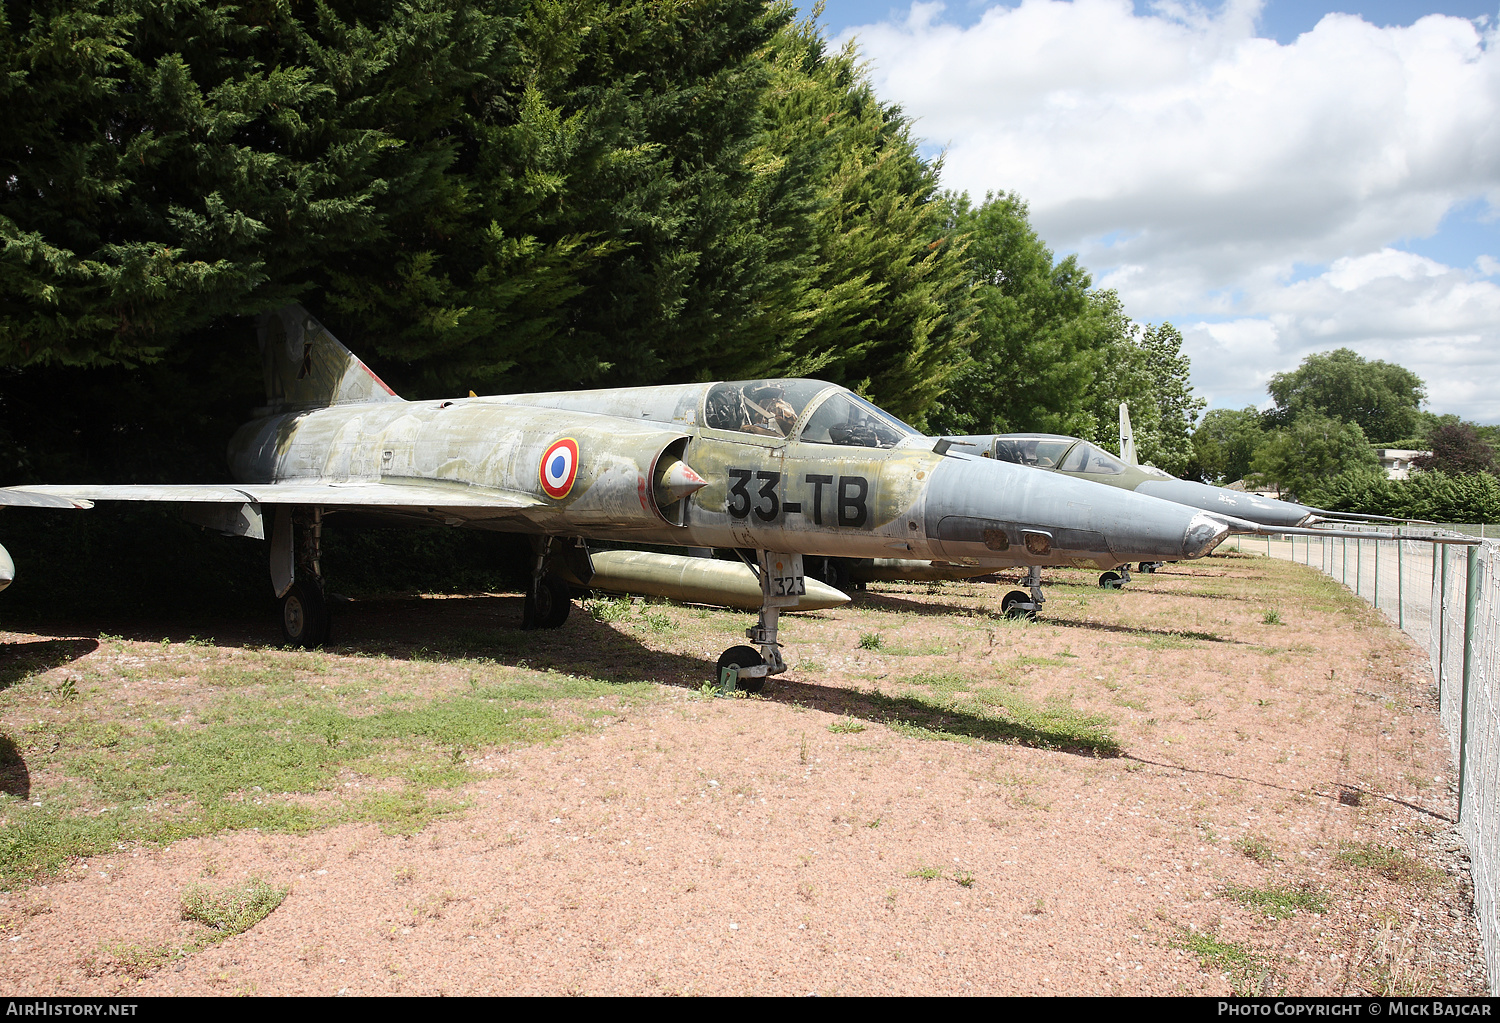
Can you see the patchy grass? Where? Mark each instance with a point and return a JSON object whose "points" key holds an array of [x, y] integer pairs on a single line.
{"points": [[870, 641], [231, 910], [1279, 901], [1399, 965], [1256, 848], [957, 707], [1389, 862], [266, 739], [1250, 972]]}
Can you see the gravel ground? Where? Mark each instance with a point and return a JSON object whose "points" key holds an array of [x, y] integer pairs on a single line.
{"points": [[817, 841]]}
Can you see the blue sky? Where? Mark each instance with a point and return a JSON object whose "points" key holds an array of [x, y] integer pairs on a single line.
{"points": [[1273, 178]]}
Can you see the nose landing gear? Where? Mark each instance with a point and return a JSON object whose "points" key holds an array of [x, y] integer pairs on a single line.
{"points": [[782, 581], [1019, 603]]}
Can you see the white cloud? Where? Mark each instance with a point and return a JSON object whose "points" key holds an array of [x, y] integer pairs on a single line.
{"points": [[1441, 323], [1202, 170]]}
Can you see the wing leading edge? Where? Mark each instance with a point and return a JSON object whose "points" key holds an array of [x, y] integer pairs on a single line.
{"points": [[354, 494]]}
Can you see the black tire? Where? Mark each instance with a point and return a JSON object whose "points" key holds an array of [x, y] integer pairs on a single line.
{"points": [[1148, 567], [1110, 581], [548, 605], [741, 657], [1012, 605], [304, 616]]}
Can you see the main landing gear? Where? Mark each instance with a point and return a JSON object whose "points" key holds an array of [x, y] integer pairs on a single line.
{"points": [[781, 581], [548, 599], [1019, 603], [1114, 580], [297, 575]]}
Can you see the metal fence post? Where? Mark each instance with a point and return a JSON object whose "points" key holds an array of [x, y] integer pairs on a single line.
{"points": [[1442, 610], [1400, 584], [1471, 599], [1377, 575], [1359, 563]]}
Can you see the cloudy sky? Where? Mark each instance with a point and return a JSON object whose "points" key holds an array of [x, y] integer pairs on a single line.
{"points": [[1274, 178]]}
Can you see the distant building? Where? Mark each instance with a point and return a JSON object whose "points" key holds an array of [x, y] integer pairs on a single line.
{"points": [[1397, 461]]}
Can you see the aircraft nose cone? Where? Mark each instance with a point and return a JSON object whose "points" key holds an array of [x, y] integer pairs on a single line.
{"points": [[994, 511], [677, 480], [1202, 535], [1265, 510]]}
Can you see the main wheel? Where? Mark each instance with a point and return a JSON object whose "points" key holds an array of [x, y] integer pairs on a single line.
{"points": [[1110, 581], [1013, 605], [304, 616], [741, 657], [548, 605], [838, 574], [1148, 567]]}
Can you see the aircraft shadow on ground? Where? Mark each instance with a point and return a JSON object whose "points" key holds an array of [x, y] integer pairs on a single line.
{"points": [[886, 602], [489, 627], [15, 777], [912, 712], [19, 661]]}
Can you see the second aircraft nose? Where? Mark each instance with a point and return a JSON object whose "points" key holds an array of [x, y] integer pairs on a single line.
{"points": [[978, 508]]}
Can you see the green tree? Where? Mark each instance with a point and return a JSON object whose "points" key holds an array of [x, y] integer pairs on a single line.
{"points": [[1447, 497], [1382, 398], [1041, 335], [167, 165], [1363, 490], [1298, 458], [879, 299], [1153, 381], [1224, 444]]}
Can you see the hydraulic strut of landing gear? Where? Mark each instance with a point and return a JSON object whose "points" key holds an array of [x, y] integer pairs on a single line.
{"points": [[297, 575], [1020, 604], [782, 581], [1115, 580], [548, 600]]}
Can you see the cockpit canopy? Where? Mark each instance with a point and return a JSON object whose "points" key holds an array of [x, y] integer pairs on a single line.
{"points": [[827, 413], [1064, 454]]}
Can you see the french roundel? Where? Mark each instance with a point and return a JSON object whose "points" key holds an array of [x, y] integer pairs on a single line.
{"points": [[560, 468]]}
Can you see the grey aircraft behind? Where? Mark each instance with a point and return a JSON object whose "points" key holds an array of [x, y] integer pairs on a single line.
{"points": [[1080, 459], [785, 468]]}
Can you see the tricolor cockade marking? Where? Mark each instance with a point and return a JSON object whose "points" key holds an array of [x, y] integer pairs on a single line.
{"points": [[559, 468]]}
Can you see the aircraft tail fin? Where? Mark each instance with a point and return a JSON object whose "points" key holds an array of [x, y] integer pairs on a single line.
{"points": [[306, 366], [1127, 437]]}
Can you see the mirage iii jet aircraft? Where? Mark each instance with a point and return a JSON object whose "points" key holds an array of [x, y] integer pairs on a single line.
{"points": [[784, 468]]}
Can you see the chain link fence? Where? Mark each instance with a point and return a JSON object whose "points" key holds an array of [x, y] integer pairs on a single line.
{"points": [[1447, 599]]}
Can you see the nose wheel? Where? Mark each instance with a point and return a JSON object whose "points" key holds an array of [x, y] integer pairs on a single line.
{"points": [[1017, 604], [1021, 604], [782, 582], [740, 660]]}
